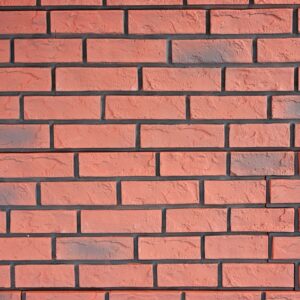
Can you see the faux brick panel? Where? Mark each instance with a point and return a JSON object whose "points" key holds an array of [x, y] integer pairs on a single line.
{"points": [[149, 150]]}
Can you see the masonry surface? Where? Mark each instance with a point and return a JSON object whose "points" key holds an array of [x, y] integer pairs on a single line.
{"points": [[149, 150]]}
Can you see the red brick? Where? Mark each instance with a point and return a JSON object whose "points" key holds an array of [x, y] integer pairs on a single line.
{"points": [[44, 276], [258, 275], [71, 2], [2, 226], [236, 247], [36, 165], [78, 193], [144, 2], [286, 247], [145, 295], [94, 136], [17, 193], [11, 295], [182, 135], [87, 21], [94, 79], [121, 221], [259, 79], [4, 50], [297, 136], [262, 163], [160, 192], [262, 219], [126, 50], [192, 163], [25, 248], [25, 79], [61, 107], [286, 107], [48, 50], [259, 135], [228, 107], [181, 79], [212, 51], [194, 275], [17, 2], [235, 192], [66, 295], [251, 21], [278, 50], [169, 248], [166, 21], [221, 295], [129, 275], [145, 107], [22, 22], [24, 136], [5, 278], [282, 295], [196, 220], [285, 191], [9, 107], [43, 221], [117, 164], [209, 2], [102, 248]]}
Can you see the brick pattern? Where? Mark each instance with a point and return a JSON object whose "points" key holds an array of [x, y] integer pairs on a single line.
{"points": [[149, 150]]}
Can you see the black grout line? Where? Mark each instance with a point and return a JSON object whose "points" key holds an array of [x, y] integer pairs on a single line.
{"points": [[155, 276], [296, 79], [202, 250], [78, 220], [23, 295], [188, 107], [103, 107], [51, 135], [53, 79], [220, 275], [228, 219], [76, 273], [8, 212], [12, 276], [295, 21], [157, 164], [202, 193], [140, 78], [138, 136], [207, 22], [164, 221], [223, 79], [21, 108], [169, 52], [38, 194], [135, 248], [53, 248], [12, 50], [84, 50], [48, 20], [269, 108], [263, 296], [254, 51], [119, 193], [296, 220], [270, 247], [76, 165], [126, 26]]}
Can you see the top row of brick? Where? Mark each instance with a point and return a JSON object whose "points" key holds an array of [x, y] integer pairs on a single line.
{"points": [[140, 2]]}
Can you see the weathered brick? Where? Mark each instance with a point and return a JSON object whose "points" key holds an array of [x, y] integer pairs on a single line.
{"points": [[2, 224], [259, 135], [145, 107], [212, 51], [61, 107], [169, 248], [235, 192], [24, 136], [259, 79], [236, 247], [102, 248], [121, 221], [282, 294], [43, 221], [160, 192], [94, 136], [284, 191], [5, 280], [258, 275], [130, 275], [262, 163], [9, 107], [181, 79], [146, 295], [87, 21], [48, 50], [36, 276], [71, 2], [192, 163], [182, 135], [228, 107], [222, 295], [25, 79], [78, 193], [262, 219], [65, 295], [166, 21], [252, 21], [36, 165], [286, 107], [194, 275], [94, 79], [4, 51], [126, 50], [144, 2], [196, 220], [17, 2], [17, 193], [117, 164], [285, 247]]}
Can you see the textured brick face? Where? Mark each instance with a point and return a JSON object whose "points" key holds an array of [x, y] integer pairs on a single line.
{"points": [[149, 150]]}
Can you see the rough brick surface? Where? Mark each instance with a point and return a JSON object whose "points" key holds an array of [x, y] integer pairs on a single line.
{"points": [[149, 149]]}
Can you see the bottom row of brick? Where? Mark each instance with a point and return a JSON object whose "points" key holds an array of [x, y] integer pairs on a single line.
{"points": [[151, 295]]}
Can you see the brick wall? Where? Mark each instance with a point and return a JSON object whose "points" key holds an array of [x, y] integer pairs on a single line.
{"points": [[149, 150]]}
